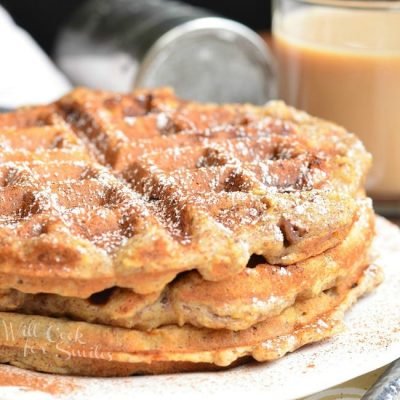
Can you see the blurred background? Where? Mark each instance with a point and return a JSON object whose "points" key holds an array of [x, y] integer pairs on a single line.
{"points": [[49, 46], [43, 18]]}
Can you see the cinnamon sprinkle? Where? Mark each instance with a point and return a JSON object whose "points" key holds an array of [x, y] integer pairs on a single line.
{"points": [[32, 381]]}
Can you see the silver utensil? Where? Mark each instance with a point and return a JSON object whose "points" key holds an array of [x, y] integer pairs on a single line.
{"points": [[388, 385]]}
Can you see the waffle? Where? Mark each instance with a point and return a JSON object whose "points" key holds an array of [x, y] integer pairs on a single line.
{"points": [[141, 233], [80, 348], [236, 303], [102, 190]]}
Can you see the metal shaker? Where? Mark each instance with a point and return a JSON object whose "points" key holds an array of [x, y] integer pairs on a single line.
{"points": [[122, 44]]}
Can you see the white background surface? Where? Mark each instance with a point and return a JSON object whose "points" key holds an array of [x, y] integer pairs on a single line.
{"points": [[27, 75]]}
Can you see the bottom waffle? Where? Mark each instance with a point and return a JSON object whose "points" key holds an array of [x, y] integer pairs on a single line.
{"points": [[69, 347]]}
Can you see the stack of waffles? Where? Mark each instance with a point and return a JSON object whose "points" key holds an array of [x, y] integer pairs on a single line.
{"points": [[141, 233]]}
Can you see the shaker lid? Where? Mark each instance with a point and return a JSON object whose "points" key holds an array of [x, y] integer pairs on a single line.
{"points": [[210, 59]]}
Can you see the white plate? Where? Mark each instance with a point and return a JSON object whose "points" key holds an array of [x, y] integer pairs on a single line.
{"points": [[371, 341]]}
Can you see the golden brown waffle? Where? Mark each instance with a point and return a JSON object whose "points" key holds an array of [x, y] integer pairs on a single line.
{"points": [[235, 303], [57, 345], [141, 233], [101, 190]]}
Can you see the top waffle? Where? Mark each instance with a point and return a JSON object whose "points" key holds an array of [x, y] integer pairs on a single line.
{"points": [[102, 189]]}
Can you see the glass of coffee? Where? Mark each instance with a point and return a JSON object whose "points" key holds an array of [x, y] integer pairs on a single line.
{"points": [[340, 60]]}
